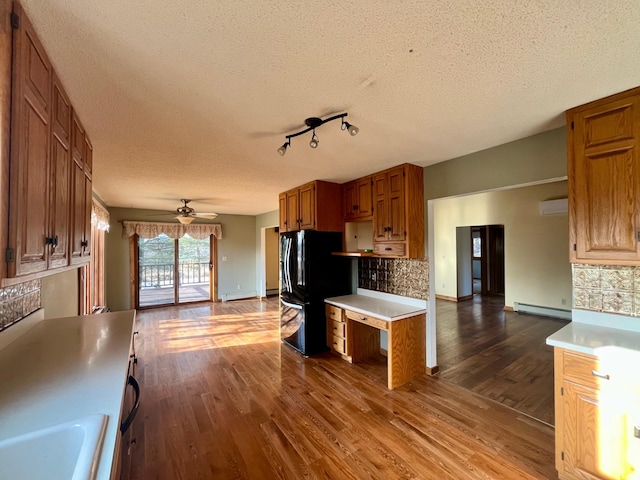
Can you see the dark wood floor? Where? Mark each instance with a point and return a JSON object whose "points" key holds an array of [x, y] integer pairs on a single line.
{"points": [[224, 398], [500, 355]]}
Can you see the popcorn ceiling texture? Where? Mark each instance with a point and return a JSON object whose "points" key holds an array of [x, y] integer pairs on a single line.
{"points": [[409, 278], [18, 301], [607, 288]]}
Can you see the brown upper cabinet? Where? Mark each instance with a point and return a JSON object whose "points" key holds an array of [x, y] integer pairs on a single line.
{"points": [[358, 200], [43, 199], [604, 180], [81, 194], [313, 206], [398, 212]]}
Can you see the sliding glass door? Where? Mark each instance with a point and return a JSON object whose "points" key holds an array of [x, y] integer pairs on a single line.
{"points": [[173, 271]]}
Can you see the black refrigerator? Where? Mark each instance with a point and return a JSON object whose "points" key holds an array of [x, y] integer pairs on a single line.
{"points": [[308, 275]]}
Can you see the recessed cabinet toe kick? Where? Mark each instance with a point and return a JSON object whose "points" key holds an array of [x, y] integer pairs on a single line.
{"points": [[354, 324]]}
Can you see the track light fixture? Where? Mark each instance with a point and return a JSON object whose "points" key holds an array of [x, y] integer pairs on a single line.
{"points": [[313, 123]]}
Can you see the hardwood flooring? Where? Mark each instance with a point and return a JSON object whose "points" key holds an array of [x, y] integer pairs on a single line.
{"points": [[223, 398], [500, 355]]}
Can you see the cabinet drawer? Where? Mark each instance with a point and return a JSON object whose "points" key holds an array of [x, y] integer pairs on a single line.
{"points": [[367, 319], [338, 329], [583, 369], [393, 249], [334, 313], [339, 345]]}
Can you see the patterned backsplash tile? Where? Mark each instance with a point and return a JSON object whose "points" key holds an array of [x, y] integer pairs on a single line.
{"points": [[18, 301], [409, 278], [607, 288]]}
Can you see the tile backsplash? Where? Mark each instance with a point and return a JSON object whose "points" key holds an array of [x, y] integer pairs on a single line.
{"points": [[409, 278], [607, 288], [18, 301]]}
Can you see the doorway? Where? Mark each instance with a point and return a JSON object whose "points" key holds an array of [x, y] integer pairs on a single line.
{"points": [[173, 271], [480, 260]]}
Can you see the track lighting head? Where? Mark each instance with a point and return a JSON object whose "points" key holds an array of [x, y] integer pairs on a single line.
{"points": [[352, 129], [312, 123], [283, 149], [314, 140]]}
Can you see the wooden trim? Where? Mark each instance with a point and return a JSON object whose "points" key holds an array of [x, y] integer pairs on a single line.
{"points": [[8, 282], [432, 370], [213, 277], [446, 297], [6, 35], [465, 297], [507, 308], [384, 352], [134, 300]]}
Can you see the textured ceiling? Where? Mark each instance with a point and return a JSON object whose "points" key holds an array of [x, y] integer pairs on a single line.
{"points": [[192, 98]]}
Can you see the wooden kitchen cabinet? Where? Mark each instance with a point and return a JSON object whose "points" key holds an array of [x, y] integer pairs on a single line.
{"points": [[604, 180], [337, 336], [42, 182], [81, 195], [357, 199], [398, 212], [312, 206], [597, 417]]}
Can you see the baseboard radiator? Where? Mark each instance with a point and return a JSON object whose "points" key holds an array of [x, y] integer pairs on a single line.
{"points": [[544, 311], [238, 296]]}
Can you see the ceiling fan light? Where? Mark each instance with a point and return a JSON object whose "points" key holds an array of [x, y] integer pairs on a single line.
{"points": [[185, 220]]}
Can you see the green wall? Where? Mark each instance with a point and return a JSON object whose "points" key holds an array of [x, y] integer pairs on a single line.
{"points": [[529, 160], [238, 245]]}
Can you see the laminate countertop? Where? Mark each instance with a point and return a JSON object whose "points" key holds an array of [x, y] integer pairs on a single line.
{"points": [[381, 308], [63, 369]]}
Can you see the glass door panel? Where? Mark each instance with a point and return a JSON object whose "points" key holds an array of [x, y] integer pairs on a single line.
{"points": [[156, 266], [194, 269]]}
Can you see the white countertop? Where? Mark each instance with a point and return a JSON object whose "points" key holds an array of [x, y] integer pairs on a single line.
{"points": [[590, 332], [63, 369], [383, 306]]}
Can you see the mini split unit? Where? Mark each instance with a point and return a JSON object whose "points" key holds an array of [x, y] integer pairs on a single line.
{"points": [[554, 207]]}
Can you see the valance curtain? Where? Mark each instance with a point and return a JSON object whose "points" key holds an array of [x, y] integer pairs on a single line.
{"points": [[171, 230], [99, 216]]}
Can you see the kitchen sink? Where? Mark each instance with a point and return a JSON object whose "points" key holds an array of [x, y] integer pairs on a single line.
{"points": [[70, 450]]}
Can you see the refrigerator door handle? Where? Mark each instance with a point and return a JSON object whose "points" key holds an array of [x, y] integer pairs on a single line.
{"points": [[292, 305]]}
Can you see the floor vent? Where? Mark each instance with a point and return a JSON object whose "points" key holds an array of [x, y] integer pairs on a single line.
{"points": [[544, 311]]}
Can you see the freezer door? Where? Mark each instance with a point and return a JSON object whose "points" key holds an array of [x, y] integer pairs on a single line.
{"points": [[292, 325]]}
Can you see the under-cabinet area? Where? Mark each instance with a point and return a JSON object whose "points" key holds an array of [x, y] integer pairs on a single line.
{"points": [[355, 324]]}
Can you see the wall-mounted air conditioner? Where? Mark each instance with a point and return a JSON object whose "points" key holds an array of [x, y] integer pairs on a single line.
{"points": [[554, 207]]}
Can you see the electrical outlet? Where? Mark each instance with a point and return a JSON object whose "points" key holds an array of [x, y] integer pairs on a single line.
{"points": [[564, 301], [224, 258], [238, 286]]}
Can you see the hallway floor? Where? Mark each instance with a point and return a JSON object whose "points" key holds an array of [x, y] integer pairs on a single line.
{"points": [[497, 354]]}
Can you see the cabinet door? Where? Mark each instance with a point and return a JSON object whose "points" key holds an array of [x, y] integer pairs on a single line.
{"points": [[30, 151], [282, 211], [593, 433], [88, 197], [292, 210], [364, 201], [60, 199], [78, 197], [604, 190], [395, 204], [307, 206], [350, 200], [381, 217]]}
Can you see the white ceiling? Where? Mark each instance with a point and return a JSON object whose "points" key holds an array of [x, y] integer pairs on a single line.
{"points": [[192, 98]]}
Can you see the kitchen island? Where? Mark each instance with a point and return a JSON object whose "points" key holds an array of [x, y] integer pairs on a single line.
{"points": [[64, 369], [354, 324]]}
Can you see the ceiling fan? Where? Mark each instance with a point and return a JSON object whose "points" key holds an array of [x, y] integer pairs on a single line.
{"points": [[186, 214]]}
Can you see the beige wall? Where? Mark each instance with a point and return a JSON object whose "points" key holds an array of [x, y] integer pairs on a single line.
{"points": [[537, 269], [60, 294], [272, 258], [263, 221], [238, 245]]}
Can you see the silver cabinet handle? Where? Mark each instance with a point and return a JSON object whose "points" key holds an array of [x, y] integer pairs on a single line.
{"points": [[598, 374]]}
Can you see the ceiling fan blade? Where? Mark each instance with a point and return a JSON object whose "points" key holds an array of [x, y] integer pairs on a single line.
{"points": [[210, 216]]}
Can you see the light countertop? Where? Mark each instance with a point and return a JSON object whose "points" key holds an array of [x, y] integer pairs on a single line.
{"points": [[384, 307], [63, 369], [590, 332]]}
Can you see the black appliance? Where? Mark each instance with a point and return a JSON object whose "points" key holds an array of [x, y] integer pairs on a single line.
{"points": [[308, 275]]}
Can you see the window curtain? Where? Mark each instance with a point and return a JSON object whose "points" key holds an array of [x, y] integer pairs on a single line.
{"points": [[99, 216], [171, 230]]}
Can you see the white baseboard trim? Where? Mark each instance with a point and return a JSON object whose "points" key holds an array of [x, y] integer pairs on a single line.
{"points": [[238, 296], [544, 311]]}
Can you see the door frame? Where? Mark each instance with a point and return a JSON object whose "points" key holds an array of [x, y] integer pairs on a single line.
{"points": [[134, 291]]}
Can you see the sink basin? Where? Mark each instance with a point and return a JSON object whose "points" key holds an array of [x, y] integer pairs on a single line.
{"points": [[69, 450]]}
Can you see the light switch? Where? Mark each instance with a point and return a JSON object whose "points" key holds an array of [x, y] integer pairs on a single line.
{"points": [[224, 258]]}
